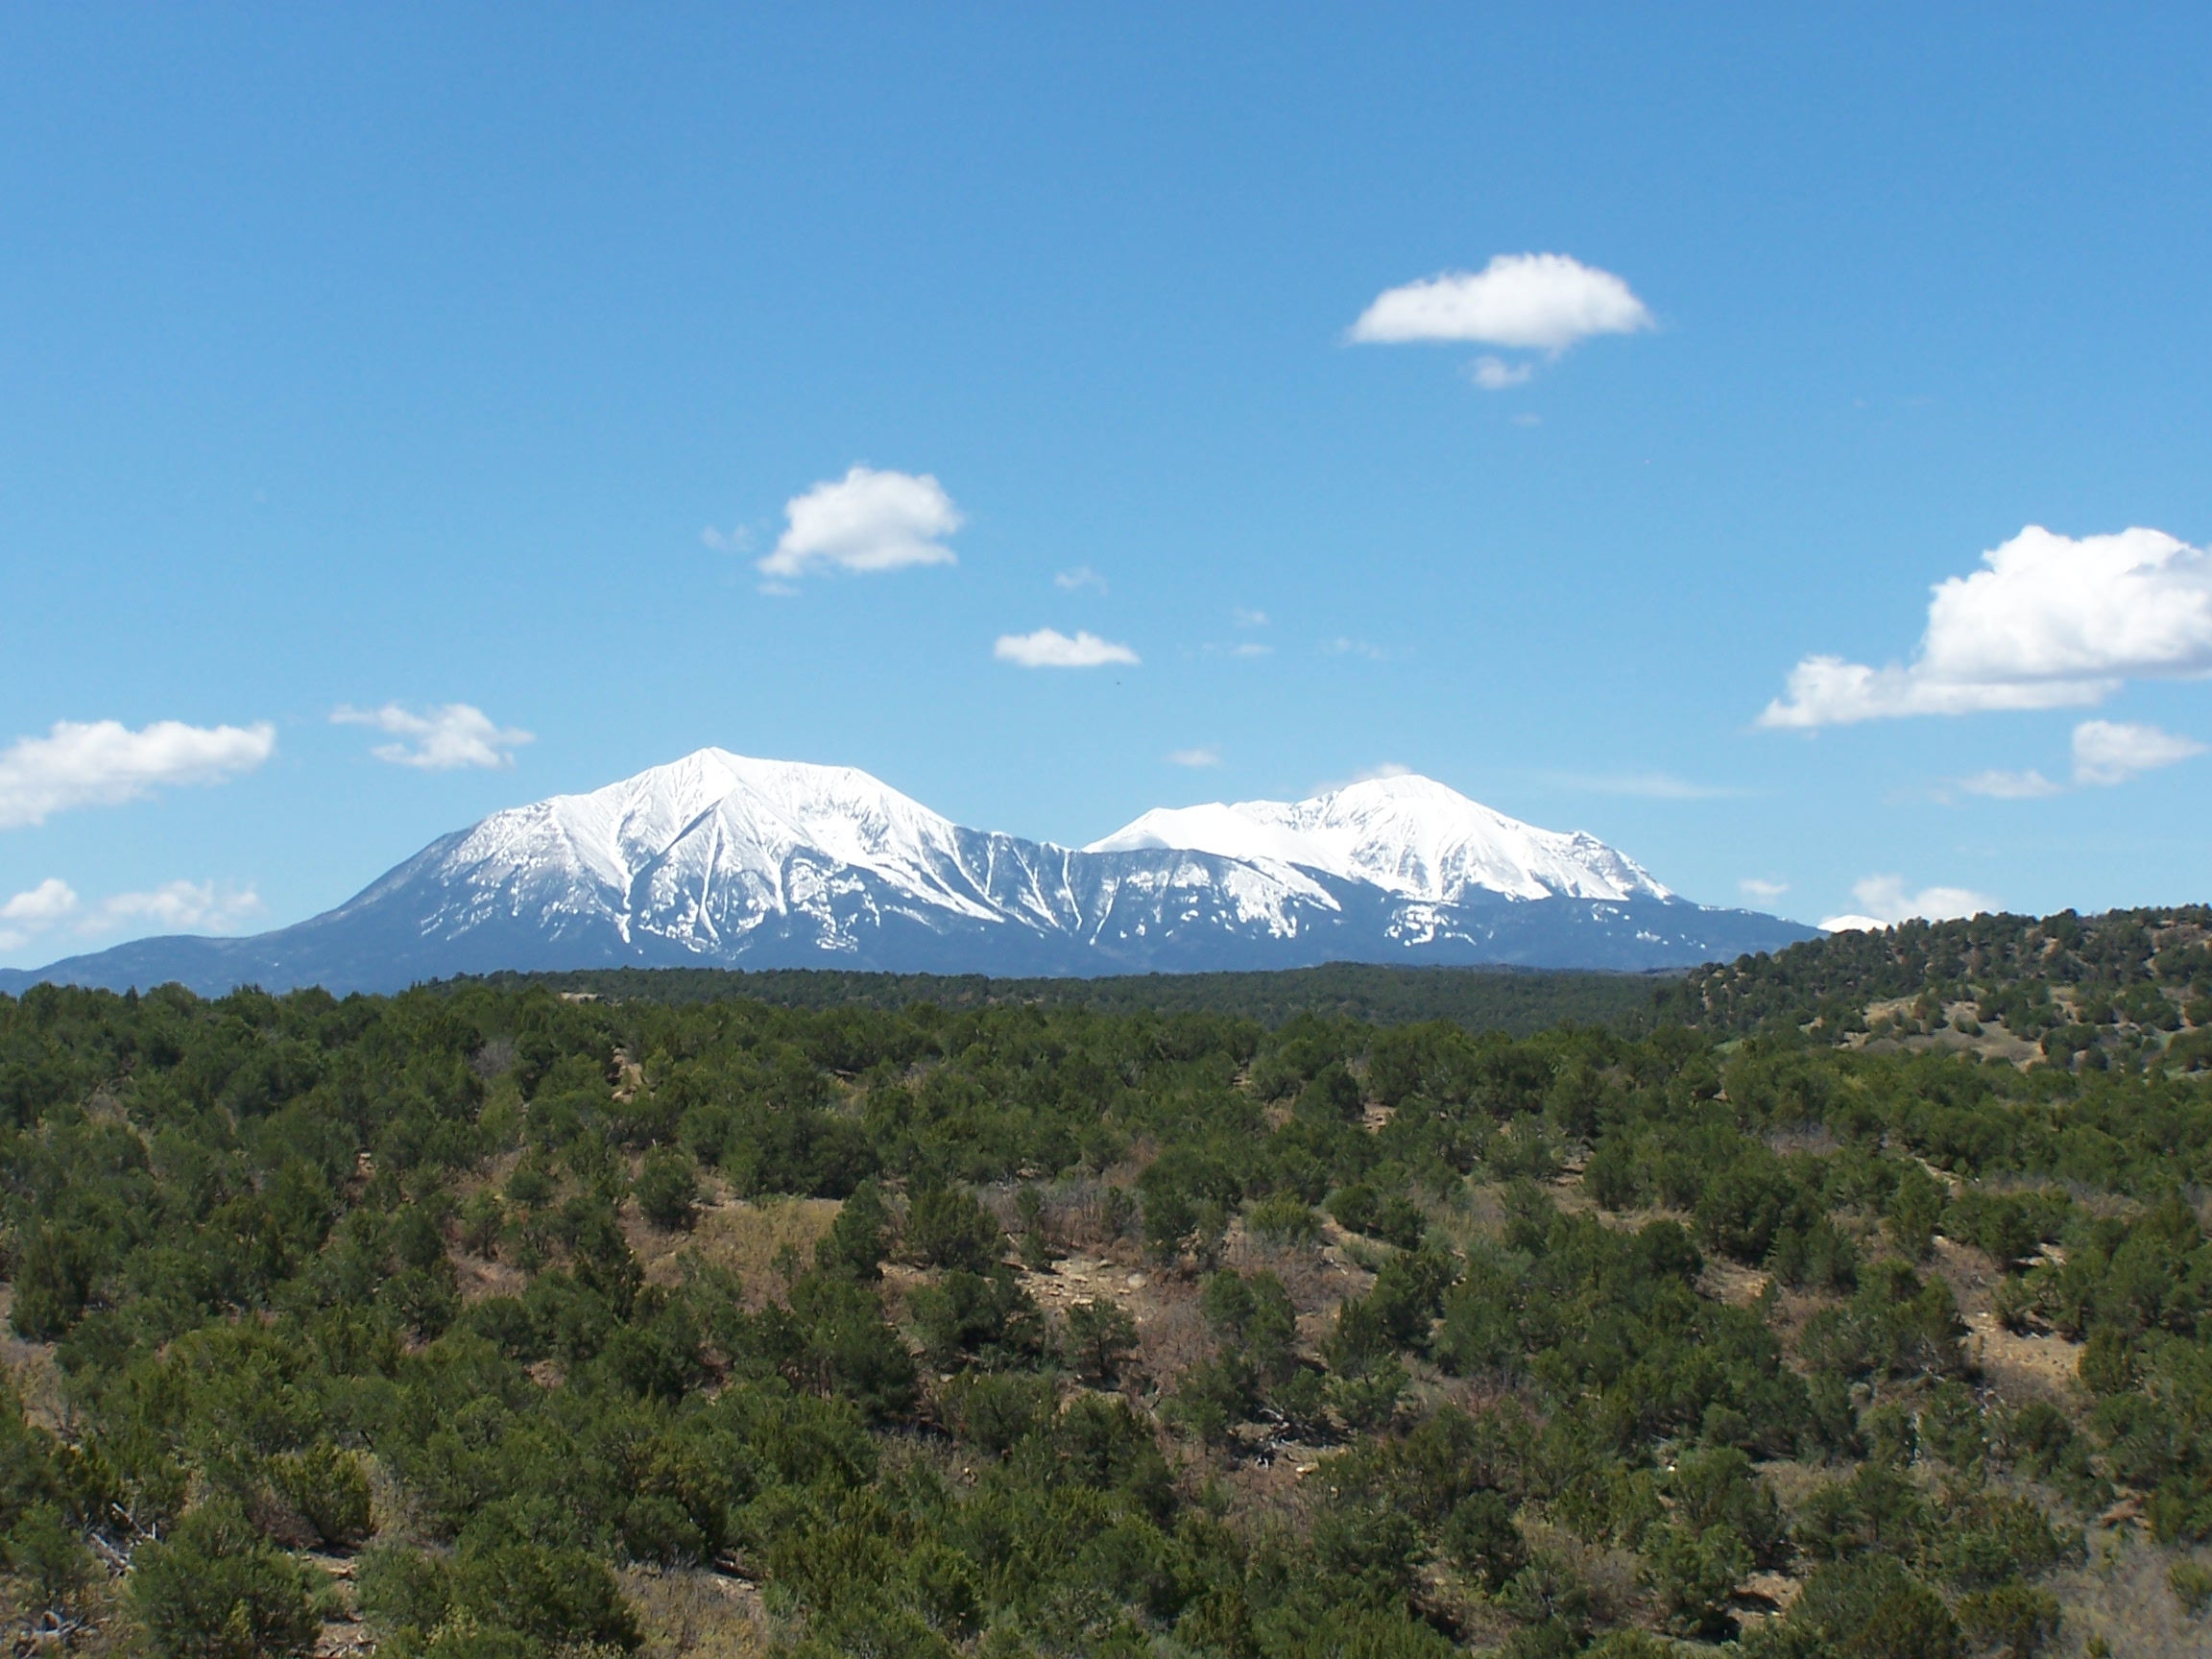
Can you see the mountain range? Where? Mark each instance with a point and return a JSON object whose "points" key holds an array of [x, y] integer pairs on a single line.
{"points": [[719, 860]]}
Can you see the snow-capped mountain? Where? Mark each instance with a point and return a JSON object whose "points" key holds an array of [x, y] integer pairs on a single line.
{"points": [[721, 860], [1407, 835]]}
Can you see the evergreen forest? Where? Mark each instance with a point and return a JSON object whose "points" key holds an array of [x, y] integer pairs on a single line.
{"points": [[1854, 1303]]}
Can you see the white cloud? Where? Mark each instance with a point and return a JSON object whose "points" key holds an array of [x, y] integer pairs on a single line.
{"points": [[1204, 755], [439, 740], [1082, 576], [1495, 375], [1540, 301], [2029, 785], [2108, 752], [866, 521], [104, 763], [1885, 902], [1245, 618], [198, 906], [42, 906], [1049, 648], [1752, 887], [732, 540], [2052, 622], [1365, 775]]}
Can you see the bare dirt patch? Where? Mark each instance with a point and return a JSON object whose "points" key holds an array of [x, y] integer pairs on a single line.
{"points": [[2041, 1364]]}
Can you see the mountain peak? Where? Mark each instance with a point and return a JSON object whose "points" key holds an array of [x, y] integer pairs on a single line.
{"points": [[1408, 834], [719, 858]]}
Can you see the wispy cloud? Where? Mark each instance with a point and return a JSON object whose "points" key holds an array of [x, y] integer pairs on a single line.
{"points": [[867, 520], [736, 539], [1495, 375], [1650, 785], [1081, 577], [1344, 646], [1206, 756], [1754, 887], [2000, 786], [1244, 618], [53, 908], [193, 907], [104, 763], [439, 740], [1049, 648], [2106, 752], [2050, 622]]}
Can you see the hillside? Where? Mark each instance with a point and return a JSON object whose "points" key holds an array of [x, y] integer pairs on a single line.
{"points": [[1517, 1000], [2129, 988], [488, 1321]]}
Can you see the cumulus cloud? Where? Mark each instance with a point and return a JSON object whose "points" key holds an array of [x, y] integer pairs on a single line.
{"points": [[1049, 648], [42, 906], [1752, 887], [1495, 375], [866, 521], [1205, 756], [2050, 622], [1542, 302], [104, 763], [30, 913], [1884, 902], [439, 740], [2106, 752], [1081, 577]]}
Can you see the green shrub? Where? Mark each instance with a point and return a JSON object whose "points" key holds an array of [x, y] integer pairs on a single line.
{"points": [[946, 1227], [2192, 1584], [216, 1589], [668, 1189], [1284, 1220], [328, 1488]]}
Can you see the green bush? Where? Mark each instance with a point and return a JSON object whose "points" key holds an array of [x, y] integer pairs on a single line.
{"points": [[328, 1488], [668, 1189], [216, 1589], [1102, 1339], [1284, 1220]]}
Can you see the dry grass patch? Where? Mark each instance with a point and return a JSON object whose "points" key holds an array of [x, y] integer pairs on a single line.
{"points": [[694, 1614], [2122, 1597], [746, 1238]]}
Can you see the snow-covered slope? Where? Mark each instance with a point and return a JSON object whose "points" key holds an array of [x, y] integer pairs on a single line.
{"points": [[1408, 835], [721, 860]]}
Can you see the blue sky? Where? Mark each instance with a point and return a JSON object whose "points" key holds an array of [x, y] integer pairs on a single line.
{"points": [[448, 356]]}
